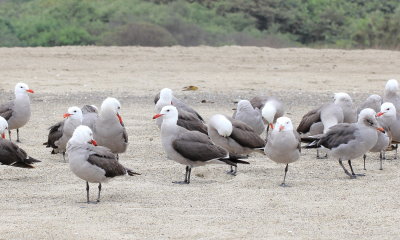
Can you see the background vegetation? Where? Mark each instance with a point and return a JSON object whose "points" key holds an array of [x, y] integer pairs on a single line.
{"points": [[276, 23]]}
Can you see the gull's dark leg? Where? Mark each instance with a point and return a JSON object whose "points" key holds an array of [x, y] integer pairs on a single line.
{"points": [[365, 156], [117, 157], [18, 135], [64, 156], [187, 177], [268, 129], [9, 134], [98, 196], [319, 157], [87, 192], [395, 155], [345, 170], [232, 172], [380, 159], [352, 172], [384, 155], [284, 178]]}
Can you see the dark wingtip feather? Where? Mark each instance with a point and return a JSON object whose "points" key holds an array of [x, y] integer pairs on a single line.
{"points": [[132, 173], [314, 144], [22, 165]]}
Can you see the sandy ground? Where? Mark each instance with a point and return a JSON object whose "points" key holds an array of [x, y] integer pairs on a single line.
{"points": [[321, 202]]}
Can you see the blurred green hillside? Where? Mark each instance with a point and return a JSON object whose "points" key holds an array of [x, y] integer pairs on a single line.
{"points": [[274, 23]]}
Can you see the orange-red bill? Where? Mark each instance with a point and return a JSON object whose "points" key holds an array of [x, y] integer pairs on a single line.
{"points": [[30, 91], [157, 115], [381, 129], [281, 128], [93, 142], [67, 115], [379, 114], [119, 118], [271, 126], [3, 135]]}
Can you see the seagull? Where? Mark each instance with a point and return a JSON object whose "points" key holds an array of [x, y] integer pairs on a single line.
{"points": [[234, 136], [387, 118], [61, 132], [190, 148], [90, 115], [109, 129], [187, 117], [283, 144], [390, 94], [10, 153], [373, 101], [92, 163], [347, 141], [249, 115], [271, 108], [18, 111]]}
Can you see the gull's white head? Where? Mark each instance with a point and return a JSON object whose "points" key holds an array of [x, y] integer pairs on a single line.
{"points": [[22, 88], [82, 134], [244, 105], [3, 126], [221, 124], [74, 113], [166, 95], [168, 113], [111, 105], [367, 117], [387, 110], [342, 98], [392, 86], [268, 112], [283, 124]]}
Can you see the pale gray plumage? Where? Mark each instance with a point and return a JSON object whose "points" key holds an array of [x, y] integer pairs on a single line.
{"points": [[283, 144], [391, 94], [18, 111], [190, 148], [373, 101], [249, 115], [109, 130], [271, 108], [90, 115]]}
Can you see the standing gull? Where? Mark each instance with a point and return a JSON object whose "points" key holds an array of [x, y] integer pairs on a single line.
{"points": [[249, 115], [387, 118], [283, 144], [190, 148], [390, 94], [10, 153], [109, 130], [61, 132], [18, 111], [234, 136], [347, 141], [92, 163]]}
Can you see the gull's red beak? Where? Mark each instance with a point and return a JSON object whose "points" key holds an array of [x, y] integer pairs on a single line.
{"points": [[3, 135], [30, 91], [271, 126], [379, 114], [67, 115], [119, 118], [381, 129], [93, 142], [157, 115], [281, 128]]}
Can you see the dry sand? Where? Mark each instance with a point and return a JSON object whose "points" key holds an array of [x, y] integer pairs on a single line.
{"points": [[321, 202]]}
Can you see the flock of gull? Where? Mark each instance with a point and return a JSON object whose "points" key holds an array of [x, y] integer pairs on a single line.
{"points": [[92, 139]]}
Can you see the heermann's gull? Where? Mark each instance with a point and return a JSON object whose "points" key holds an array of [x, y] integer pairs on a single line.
{"points": [[109, 130], [373, 101], [190, 148], [387, 118], [234, 136], [18, 111], [283, 144], [346, 103], [249, 115], [348, 141], [271, 108], [61, 132], [390, 94], [187, 117], [10, 153], [90, 115], [92, 163]]}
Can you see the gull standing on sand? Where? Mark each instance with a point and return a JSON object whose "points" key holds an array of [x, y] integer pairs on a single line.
{"points": [[18, 111], [234, 136], [61, 132], [387, 118], [187, 117], [249, 115], [10, 153], [92, 163], [347, 141], [271, 108], [190, 148], [283, 144], [109, 130]]}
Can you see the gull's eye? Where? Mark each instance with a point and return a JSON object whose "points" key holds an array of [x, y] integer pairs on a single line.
{"points": [[119, 107], [370, 122], [75, 111], [22, 87], [168, 110], [387, 109]]}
